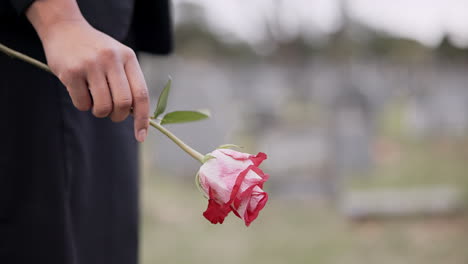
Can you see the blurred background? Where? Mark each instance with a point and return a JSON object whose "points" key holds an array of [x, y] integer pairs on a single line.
{"points": [[362, 108]]}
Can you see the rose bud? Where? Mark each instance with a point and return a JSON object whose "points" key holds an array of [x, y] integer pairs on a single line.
{"points": [[233, 182]]}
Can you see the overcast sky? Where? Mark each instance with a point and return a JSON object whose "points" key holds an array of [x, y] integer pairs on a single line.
{"points": [[426, 21]]}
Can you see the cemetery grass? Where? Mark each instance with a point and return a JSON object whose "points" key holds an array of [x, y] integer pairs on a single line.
{"points": [[406, 163]]}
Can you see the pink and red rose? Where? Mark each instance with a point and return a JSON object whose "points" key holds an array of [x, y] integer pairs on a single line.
{"points": [[233, 182]]}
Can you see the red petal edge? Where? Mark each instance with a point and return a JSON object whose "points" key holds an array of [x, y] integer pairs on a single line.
{"points": [[238, 183], [215, 213], [250, 216], [258, 159]]}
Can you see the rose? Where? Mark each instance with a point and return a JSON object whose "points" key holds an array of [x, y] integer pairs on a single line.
{"points": [[233, 182]]}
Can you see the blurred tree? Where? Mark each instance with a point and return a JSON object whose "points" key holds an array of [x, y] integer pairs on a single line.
{"points": [[448, 51], [193, 37]]}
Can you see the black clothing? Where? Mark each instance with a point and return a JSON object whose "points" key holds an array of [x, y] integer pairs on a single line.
{"points": [[150, 20], [69, 181]]}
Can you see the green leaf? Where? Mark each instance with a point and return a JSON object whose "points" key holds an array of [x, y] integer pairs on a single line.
{"points": [[228, 146], [162, 101], [184, 116]]}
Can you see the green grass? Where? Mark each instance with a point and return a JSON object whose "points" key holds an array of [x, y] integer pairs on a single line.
{"points": [[404, 161], [419, 164]]}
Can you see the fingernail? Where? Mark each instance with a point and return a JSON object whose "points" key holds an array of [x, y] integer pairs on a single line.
{"points": [[142, 134]]}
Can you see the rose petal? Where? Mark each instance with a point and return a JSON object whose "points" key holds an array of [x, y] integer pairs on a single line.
{"points": [[256, 204], [215, 212], [258, 159], [221, 174], [235, 154], [251, 204], [250, 198], [255, 176]]}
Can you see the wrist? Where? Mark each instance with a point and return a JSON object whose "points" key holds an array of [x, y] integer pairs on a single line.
{"points": [[47, 15]]}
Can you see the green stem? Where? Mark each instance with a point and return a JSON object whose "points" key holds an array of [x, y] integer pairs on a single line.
{"points": [[195, 154], [23, 57], [15, 54]]}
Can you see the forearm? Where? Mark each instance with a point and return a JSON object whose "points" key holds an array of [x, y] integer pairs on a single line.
{"points": [[45, 14]]}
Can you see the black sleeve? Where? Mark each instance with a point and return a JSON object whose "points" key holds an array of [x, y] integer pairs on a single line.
{"points": [[21, 5], [152, 26]]}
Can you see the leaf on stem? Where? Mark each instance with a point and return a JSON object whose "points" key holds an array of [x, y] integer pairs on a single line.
{"points": [[162, 101], [184, 116]]}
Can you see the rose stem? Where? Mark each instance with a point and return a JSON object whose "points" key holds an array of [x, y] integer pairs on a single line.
{"points": [[21, 56], [15, 54], [195, 154]]}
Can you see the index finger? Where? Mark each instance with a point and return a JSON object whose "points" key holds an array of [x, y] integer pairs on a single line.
{"points": [[140, 96]]}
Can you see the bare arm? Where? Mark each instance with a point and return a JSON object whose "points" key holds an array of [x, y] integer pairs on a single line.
{"points": [[98, 71]]}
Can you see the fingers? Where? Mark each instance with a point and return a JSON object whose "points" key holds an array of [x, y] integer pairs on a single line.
{"points": [[120, 90], [110, 82], [102, 99], [79, 93], [140, 97]]}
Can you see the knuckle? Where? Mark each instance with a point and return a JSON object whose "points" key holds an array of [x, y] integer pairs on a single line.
{"points": [[88, 63], [142, 121], [141, 96], [102, 110], [128, 53], [108, 54], [70, 73], [124, 103], [74, 70]]}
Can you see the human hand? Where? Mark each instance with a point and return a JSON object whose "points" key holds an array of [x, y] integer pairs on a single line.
{"points": [[99, 72]]}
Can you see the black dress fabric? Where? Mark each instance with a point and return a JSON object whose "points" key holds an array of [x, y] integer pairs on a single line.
{"points": [[68, 181], [149, 20]]}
